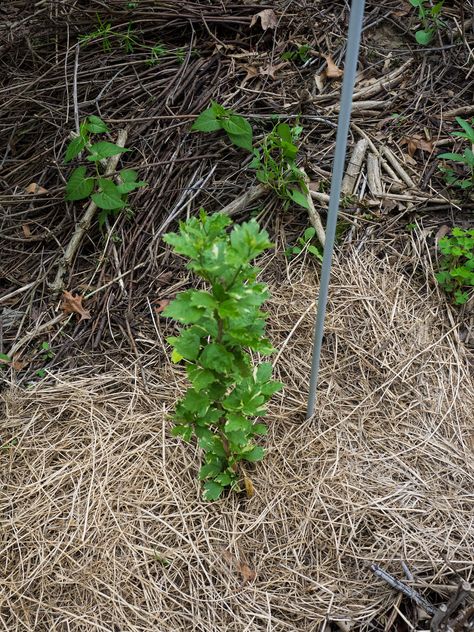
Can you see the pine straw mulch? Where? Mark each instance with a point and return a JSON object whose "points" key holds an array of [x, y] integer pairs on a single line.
{"points": [[104, 529]]}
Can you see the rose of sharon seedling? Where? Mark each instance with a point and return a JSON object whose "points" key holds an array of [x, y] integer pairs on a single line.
{"points": [[222, 325]]}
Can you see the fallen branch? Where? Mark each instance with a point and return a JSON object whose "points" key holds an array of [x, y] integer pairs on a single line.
{"points": [[403, 588], [314, 216], [354, 166], [393, 160], [84, 224], [374, 178], [384, 83], [240, 203]]}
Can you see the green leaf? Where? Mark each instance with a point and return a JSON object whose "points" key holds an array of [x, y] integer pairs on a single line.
{"points": [[4, 358], [203, 299], [210, 470], [255, 454], [95, 125], [109, 197], [182, 310], [260, 429], [185, 432], [199, 377], [236, 423], [104, 149], [467, 128], [128, 187], [264, 372], [309, 233], [206, 122], [187, 344], [450, 156], [298, 197], [195, 402], [212, 490], [74, 148], [79, 187], [216, 357], [424, 37]]}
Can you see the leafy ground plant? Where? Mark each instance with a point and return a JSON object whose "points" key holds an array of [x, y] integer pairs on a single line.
{"points": [[108, 196], [274, 157], [223, 325], [429, 15], [456, 268], [466, 159], [304, 243]]}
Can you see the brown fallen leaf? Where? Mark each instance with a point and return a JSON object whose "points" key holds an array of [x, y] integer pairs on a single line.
{"points": [[161, 305], [36, 189], [405, 9], [18, 364], [271, 70], [332, 71], [319, 81], [268, 19], [416, 142], [248, 574], [72, 304], [248, 486], [26, 230]]}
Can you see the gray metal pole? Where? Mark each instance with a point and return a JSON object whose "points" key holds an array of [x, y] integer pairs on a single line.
{"points": [[350, 67]]}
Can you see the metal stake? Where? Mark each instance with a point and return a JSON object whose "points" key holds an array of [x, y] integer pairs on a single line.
{"points": [[350, 67]]}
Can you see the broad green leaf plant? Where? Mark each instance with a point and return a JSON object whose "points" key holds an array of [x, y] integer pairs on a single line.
{"points": [[429, 14], [466, 159], [456, 267], [222, 326], [274, 157], [109, 196]]}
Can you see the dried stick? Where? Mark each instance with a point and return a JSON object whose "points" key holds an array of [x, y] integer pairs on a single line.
{"points": [[354, 166], [442, 617], [373, 174], [393, 160], [250, 196], [85, 222], [384, 83], [403, 588]]}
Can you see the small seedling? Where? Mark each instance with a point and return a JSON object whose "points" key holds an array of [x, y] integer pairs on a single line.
{"points": [[304, 244], [46, 354], [103, 33], [223, 325], [300, 53], [5, 360], [109, 197], [217, 118], [429, 15], [456, 275], [465, 159]]}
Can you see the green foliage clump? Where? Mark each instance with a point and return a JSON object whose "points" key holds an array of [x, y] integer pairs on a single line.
{"points": [[274, 157], [429, 15], [466, 159], [304, 243], [223, 325], [107, 195], [456, 267]]}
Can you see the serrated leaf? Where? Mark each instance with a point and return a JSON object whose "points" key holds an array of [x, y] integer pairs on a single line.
{"points": [[104, 149], [260, 429], [95, 125], [176, 357], [187, 344], [196, 402], [79, 187], [216, 357], [203, 299], [209, 471], [237, 423], [264, 372], [199, 377], [212, 490], [255, 454], [128, 187], [109, 197], [74, 148]]}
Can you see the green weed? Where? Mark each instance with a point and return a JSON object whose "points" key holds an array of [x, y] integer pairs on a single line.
{"points": [[430, 20], [466, 159], [300, 54], [223, 325], [456, 267], [109, 197], [304, 243]]}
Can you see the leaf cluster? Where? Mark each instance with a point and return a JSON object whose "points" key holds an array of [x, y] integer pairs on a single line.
{"points": [[304, 244], [300, 53], [466, 159], [274, 158], [221, 326], [456, 267], [108, 195], [429, 15], [217, 118]]}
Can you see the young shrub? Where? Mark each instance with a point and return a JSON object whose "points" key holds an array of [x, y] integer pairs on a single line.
{"points": [[222, 325], [456, 275]]}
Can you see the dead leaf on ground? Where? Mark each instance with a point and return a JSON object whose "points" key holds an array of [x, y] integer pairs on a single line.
{"points": [[26, 230], [36, 189], [271, 70], [249, 487], [319, 81], [18, 364], [332, 71], [268, 19], [405, 9], [417, 142], [161, 305], [72, 304], [248, 574], [442, 232]]}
